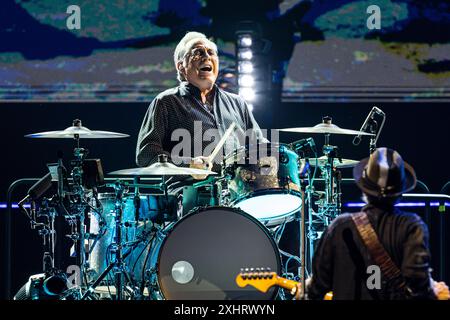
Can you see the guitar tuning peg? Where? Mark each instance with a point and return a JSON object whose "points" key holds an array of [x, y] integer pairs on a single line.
{"points": [[268, 269]]}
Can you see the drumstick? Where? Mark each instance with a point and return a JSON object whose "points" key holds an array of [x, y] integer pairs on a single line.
{"points": [[219, 146]]}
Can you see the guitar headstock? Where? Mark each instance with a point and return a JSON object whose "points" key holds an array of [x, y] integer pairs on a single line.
{"points": [[260, 278]]}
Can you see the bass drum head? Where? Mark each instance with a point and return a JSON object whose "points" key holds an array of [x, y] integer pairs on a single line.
{"points": [[205, 251]]}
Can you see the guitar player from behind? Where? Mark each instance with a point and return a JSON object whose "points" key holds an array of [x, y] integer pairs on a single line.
{"points": [[380, 235]]}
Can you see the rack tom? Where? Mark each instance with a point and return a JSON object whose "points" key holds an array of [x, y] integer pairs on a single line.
{"points": [[264, 182]]}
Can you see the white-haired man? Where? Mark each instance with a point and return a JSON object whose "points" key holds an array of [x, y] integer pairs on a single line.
{"points": [[197, 104]]}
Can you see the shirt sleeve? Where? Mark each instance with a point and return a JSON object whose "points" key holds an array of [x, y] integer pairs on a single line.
{"points": [[152, 134], [322, 268], [416, 260]]}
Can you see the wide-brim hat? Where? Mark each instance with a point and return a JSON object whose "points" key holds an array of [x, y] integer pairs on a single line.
{"points": [[384, 174]]}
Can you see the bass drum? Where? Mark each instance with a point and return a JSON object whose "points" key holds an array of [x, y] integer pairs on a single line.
{"points": [[199, 257]]}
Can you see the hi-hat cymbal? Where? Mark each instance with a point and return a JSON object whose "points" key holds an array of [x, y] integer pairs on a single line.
{"points": [[162, 169], [322, 161], [77, 131]]}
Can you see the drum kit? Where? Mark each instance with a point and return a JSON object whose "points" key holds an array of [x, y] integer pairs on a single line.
{"points": [[145, 246]]}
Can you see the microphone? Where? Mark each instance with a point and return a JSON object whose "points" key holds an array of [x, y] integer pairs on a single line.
{"points": [[375, 110], [300, 144]]}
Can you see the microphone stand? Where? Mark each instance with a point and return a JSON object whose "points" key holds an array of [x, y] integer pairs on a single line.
{"points": [[302, 247]]}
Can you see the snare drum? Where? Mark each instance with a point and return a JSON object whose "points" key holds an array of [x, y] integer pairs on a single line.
{"points": [[199, 257], [264, 182]]}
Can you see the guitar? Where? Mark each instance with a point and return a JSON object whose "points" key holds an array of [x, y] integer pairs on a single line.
{"points": [[264, 280]]}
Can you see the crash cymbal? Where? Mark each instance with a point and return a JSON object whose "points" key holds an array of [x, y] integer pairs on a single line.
{"points": [[77, 131], [322, 161], [326, 127], [161, 169]]}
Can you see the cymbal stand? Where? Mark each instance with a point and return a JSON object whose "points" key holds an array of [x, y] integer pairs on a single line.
{"points": [[302, 255], [332, 205], [311, 235], [79, 205]]}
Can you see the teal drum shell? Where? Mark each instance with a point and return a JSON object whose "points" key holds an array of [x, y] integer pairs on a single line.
{"points": [[264, 182], [136, 233]]}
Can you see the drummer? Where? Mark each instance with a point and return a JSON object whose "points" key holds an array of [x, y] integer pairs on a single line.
{"points": [[195, 107]]}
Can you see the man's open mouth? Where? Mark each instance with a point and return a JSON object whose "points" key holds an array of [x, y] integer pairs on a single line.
{"points": [[206, 68]]}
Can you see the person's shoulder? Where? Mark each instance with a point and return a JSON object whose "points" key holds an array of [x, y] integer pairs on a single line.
{"points": [[341, 220], [164, 98], [230, 95], [168, 93], [409, 217]]}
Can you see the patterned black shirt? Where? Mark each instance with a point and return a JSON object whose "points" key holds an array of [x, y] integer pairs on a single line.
{"points": [[181, 108]]}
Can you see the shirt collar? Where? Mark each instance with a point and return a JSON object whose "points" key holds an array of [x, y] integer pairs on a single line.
{"points": [[187, 89]]}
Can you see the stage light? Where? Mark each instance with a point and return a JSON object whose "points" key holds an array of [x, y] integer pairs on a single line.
{"points": [[245, 41], [245, 67], [247, 93], [245, 54], [246, 80]]}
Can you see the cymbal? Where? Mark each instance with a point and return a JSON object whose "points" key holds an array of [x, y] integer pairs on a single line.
{"points": [[322, 161], [327, 128], [77, 129], [162, 169]]}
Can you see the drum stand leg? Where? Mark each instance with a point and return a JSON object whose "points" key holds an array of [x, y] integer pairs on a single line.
{"points": [[120, 270]]}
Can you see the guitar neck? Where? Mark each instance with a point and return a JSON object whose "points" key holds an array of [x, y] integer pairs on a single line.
{"points": [[286, 283]]}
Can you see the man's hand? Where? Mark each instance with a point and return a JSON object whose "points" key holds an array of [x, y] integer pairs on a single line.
{"points": [[200, 163], [441, 290]]}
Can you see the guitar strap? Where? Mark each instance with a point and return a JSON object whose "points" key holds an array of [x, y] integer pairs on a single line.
{"points": [[379, 254]]}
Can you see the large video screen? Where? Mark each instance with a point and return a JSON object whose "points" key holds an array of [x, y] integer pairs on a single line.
{"points": [[371, 51], [122, 50]]}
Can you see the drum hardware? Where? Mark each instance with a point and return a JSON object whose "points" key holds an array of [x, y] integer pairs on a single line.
{"points": [[118, 264], [71, 199], [329, 164]]}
